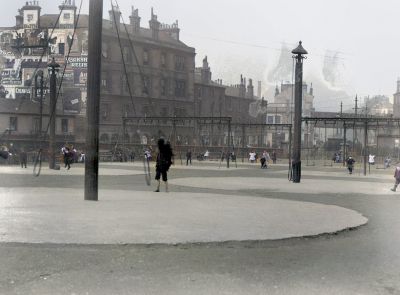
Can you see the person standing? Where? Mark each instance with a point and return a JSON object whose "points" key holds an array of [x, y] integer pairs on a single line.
{"points": [[67, 158], [163, 162], [350, 164], [252, 157], [23, 158], [206, 154], [396, 177], [188, 157]]}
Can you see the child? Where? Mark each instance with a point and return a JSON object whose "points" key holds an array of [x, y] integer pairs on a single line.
{"points": [[396, 177]]}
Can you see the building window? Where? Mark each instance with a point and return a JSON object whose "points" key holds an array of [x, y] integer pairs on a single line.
{"points": [[67, 16], [13, 124], [104, 50], [145, 57], [163, 86], [228, 102], [270, 119], [64, 125], [146, 85], [180, 88], [126, 110], [61, 48], [146, 110], [163, 60], [36, 125], [179, 63], [105, 111], [277, 119], [127, 55], [104, 81]]}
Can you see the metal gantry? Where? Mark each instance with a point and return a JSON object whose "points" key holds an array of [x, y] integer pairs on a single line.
{"points": [[364, 123]]}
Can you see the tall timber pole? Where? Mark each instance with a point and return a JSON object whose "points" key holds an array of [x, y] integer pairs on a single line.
{"points": [[93, 100]]}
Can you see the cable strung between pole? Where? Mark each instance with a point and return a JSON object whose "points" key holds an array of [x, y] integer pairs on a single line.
{"points": [[123, 59], [145, 87], [146, 164]]}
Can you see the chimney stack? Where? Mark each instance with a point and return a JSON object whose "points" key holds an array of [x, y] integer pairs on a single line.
{"points": [[154, 25], [135, 20], [115, 16]]}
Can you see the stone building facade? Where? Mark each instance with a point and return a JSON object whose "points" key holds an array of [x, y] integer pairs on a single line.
{"points": [[160, 75]]}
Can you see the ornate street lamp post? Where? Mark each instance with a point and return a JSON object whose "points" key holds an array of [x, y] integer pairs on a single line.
{"points": [[40, 87], [299, 53], [53, 68]]}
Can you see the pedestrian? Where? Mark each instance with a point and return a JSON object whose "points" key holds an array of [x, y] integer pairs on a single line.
{"points": [[67, 158], [233, 156], [252, 157], [396, 177], [147, 154], [264, 160], [23, 158], [337, 158], [163, 162], [64, 152], [273, 157], [222, 156], [387, 162], [371, 159], [206, 154], [4, 153], [350, 164], [188, 157]]}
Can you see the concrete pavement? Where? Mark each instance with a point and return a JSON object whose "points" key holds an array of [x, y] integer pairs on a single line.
{"points": [[60, 215]]}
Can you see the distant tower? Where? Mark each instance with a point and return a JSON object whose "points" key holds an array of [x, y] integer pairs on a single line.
{"points": [[396, 101], [311, 90], [205, 72]]}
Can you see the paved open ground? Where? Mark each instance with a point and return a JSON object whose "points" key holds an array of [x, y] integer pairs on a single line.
{"points": [[364, 260]]}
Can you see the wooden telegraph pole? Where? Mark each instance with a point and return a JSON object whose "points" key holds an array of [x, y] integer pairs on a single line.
{"points": [[93, 100]]}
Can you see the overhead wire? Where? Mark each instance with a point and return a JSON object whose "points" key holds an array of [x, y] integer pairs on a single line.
{"points": [[141, 74], [123, 58], [146, 164]]}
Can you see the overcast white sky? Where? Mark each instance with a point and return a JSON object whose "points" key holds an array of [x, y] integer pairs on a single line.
{"points": [[365, 32]]}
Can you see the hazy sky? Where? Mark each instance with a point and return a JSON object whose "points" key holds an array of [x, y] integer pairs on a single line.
{"points": [[245, 37]]}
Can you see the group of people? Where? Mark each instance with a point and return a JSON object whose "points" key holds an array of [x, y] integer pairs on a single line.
{"points": [[5, 153], [70, 155], [264, 160]]}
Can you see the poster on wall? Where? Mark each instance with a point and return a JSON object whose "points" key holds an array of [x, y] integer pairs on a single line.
{"points": [[72, 100]]}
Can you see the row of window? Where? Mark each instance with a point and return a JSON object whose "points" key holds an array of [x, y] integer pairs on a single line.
{"points": [[13, 125], [179, 61], [127, 110], [146, 81]]}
